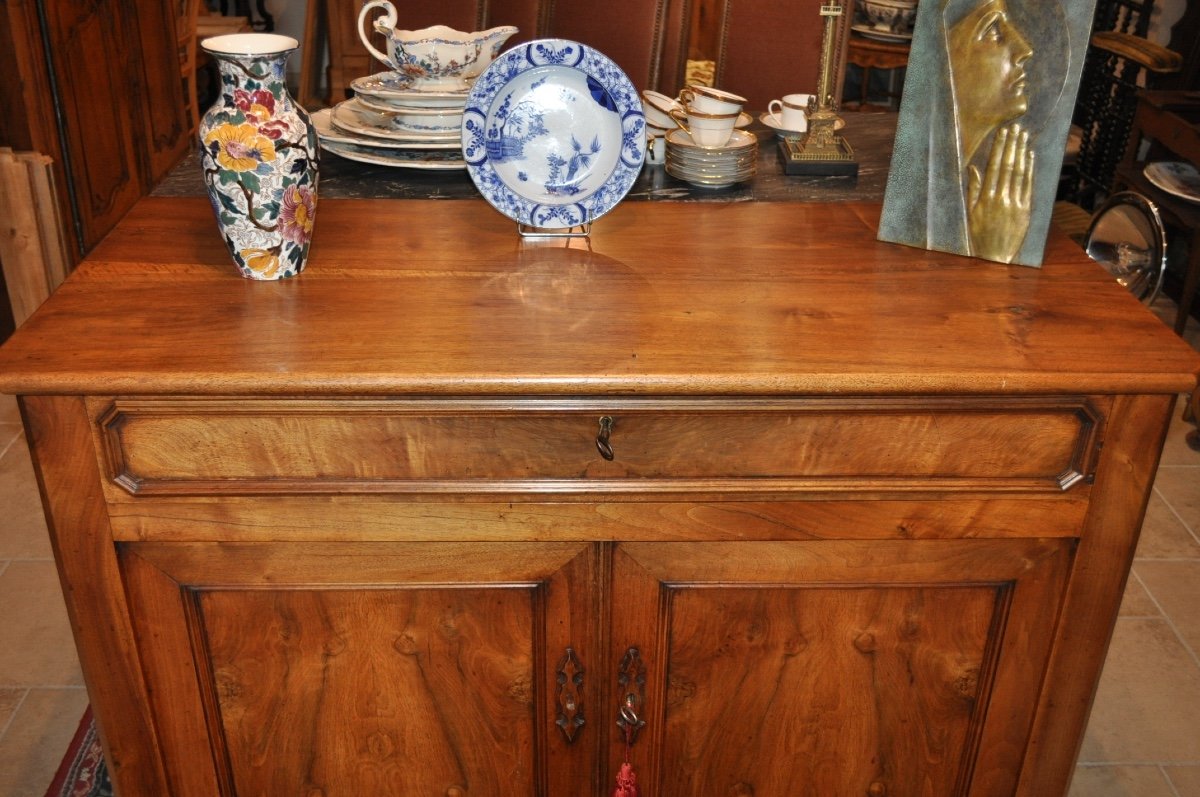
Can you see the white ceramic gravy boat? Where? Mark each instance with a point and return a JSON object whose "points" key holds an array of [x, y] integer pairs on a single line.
{"points": [[438, 57]]}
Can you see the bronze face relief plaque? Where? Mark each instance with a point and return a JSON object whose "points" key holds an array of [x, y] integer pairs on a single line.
{"points": [[983, 123]]}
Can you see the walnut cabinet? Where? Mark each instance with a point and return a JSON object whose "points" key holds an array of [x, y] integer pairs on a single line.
{"points": [[464, 553]]}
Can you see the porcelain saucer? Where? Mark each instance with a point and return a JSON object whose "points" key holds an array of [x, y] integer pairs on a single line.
{"points": [[326, 131], [353, 117], [395, 89], [779, 129]]}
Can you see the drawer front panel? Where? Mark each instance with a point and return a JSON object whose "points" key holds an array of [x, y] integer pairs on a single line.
{"points": [[287, 446]]}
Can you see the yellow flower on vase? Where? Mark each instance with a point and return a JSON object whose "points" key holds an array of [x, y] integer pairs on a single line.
{"points": [[262, 262], [239, 148]]}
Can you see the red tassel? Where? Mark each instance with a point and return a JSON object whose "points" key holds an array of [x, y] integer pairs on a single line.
{"points": [[627, 785]]}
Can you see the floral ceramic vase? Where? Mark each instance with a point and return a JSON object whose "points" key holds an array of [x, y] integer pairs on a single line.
{"points": [[259, 154]]}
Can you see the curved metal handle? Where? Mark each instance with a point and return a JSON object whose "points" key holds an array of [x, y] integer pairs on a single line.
{"points": [[631, 680], [602, 445], [569, 679]]}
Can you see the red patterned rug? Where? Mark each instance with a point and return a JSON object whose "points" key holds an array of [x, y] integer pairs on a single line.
{"points": [[82, 772]]}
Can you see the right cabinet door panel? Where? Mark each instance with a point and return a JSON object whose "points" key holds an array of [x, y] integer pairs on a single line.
{"points": [[778, 669]]}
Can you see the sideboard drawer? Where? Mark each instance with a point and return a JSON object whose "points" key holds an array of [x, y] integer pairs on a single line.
{"points": [[175, 446]]}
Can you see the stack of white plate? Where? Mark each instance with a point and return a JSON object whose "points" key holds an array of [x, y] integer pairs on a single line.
{"points": [[393, 123], [712, 167]]}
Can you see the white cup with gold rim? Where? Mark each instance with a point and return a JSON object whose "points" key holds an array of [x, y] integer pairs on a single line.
{"points": [[708, 130], [790, 113], [656, 145], [657, 109], [707, 99]]}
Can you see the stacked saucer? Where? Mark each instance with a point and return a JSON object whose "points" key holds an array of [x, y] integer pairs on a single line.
{"points": [[392, 122], [712, 167]]}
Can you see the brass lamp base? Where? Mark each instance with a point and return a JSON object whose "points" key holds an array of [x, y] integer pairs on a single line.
{"points": [[821, 152], [836, 160]]}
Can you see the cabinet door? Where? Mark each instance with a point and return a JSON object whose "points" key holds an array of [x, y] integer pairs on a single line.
{"points": [[383, 669], [94, 83], [780, 669]]}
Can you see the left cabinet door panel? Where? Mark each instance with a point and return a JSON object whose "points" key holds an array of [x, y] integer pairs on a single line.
{"points": [[370, 668]]}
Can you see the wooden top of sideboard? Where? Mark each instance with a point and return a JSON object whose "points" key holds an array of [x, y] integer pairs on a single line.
{"points": [[425, 297]]}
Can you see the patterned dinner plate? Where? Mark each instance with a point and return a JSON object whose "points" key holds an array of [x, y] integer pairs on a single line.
{"points": [[323, 121], [439, 160], [353, 117], [553, 134], [393, 88]]}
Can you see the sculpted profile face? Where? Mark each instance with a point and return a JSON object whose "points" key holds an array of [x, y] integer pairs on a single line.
{"points": [[987, 63]]}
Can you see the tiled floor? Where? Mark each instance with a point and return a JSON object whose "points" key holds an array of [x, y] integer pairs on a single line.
{"points": [[1143, 739]]}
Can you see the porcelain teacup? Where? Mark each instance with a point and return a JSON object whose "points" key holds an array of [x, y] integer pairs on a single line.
{"points": [[657, 108], [436, 58], [708, 130], [707, 99], [790, 113], [656, 145]]}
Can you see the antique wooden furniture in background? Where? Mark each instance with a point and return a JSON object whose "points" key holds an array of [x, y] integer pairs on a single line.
{"points": [[258, 18], [33, 248], [185, 41], [1120, 59], [1169, 123], [97, 89], [426, 518], [874, 54]]}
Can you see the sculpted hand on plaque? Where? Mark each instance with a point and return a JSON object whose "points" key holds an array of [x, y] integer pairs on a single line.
{"points": [[998, 201], [987, 57]]}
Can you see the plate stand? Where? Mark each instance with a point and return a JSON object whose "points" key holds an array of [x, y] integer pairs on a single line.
{"points": [[578, 231]]}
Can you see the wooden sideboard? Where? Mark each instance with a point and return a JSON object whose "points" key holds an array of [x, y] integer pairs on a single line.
{"points": [[829, 516]]}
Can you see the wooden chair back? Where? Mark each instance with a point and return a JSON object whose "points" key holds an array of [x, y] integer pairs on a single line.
{"points": [[769, 48]]}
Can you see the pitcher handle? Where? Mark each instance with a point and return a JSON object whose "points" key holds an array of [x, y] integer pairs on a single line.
{"points": [[388, 19]]}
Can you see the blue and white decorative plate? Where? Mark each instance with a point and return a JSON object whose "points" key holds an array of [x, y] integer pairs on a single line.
{"points": [[553, 134]]}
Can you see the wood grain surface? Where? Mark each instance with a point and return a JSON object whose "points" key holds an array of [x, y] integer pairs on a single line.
{"points": [[442, 297]]}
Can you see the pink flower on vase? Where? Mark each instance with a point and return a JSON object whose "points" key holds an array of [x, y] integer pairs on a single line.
{"points": [[274, 129], [259, 105], [296, 213]]}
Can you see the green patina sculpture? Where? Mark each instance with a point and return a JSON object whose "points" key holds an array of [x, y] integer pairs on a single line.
{"points": [[983, 122]]}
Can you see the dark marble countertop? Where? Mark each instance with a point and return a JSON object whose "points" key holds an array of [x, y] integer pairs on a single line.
{"points": [[871, 136]]}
